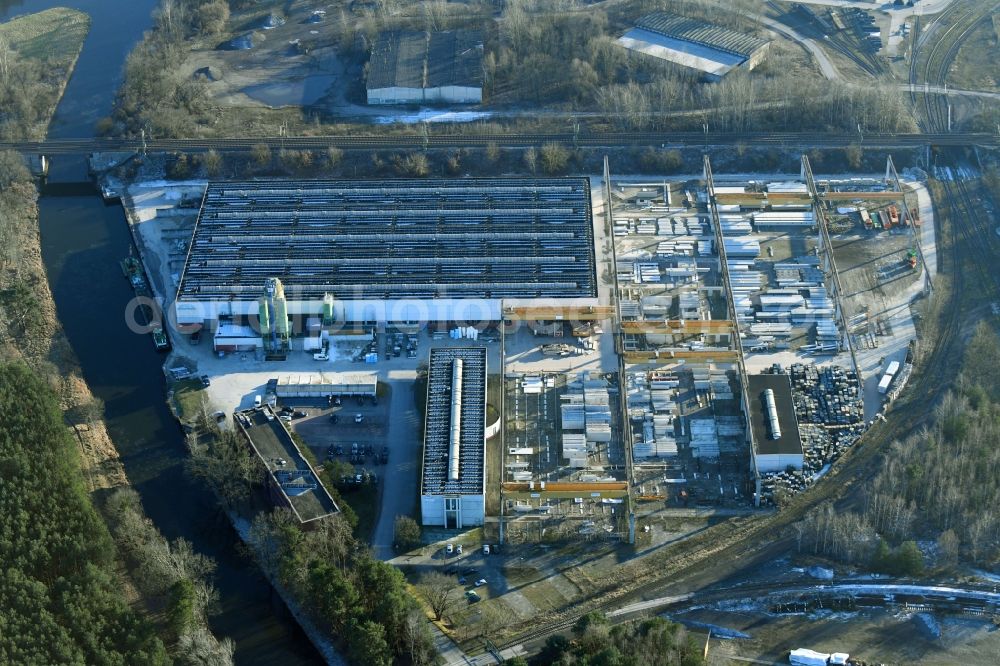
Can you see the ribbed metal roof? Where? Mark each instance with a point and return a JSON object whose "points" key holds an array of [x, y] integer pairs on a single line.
{"points": [[699, 32], [402, 59], [392, 239], [437, 423]]}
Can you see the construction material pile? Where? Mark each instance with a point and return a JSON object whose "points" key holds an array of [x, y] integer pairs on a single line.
{"points": [[830, 412], [827, 396]]}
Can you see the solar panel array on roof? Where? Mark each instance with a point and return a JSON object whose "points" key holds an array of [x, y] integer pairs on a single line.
{"points": [[699, 32], [475, 238], [438, 422]]}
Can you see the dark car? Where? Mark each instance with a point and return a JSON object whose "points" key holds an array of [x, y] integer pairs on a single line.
{"points": [[334, 418], [298, 414], [205, 381]]}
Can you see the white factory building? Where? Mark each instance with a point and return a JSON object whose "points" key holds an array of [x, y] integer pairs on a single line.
{"points": [[453, 477], [362, 252]]}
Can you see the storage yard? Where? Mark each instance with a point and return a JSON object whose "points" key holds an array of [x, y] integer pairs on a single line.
{"points": [[676, 332]]}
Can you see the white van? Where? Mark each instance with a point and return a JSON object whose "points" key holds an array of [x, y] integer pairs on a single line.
{"points": [[257, 401]]}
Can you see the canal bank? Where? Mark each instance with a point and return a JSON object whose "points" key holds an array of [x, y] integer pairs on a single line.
{"points": [[81, 243]]}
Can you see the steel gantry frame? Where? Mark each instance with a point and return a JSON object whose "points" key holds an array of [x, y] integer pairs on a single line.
{"points": [[829, 264], [737, 342]]}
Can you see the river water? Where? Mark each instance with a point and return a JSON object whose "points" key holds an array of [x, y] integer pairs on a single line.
{"points": [[82, 243]]}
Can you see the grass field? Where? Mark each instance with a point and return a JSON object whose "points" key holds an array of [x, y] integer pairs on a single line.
{"points": [[41, 49], [974, 67], [189, 398], [54, 35]]}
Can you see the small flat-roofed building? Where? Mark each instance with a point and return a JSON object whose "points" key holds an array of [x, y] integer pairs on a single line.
{"points": [[426, 67], [359, 252], [323, 384], [292, 481], [774, 454], [453, 479], [710, 49]]}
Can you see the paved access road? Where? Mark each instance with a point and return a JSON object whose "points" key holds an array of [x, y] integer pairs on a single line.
{"points": [[400, 476]]}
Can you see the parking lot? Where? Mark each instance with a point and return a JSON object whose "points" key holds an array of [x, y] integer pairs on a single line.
{"points": [[331, 431]]}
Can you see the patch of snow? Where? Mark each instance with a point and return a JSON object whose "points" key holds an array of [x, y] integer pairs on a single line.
{"points": [[820, 573], [717, 631], [928, 624], [433, 116], [822, 472], [992, 577]]}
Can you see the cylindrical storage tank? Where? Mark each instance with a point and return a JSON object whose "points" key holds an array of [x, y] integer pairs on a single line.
{"points": [[264, 318], [772, 414], [456, 420]]}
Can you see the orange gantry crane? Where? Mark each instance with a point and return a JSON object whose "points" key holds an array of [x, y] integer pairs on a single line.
{"points": [[678, 326], [557, 313], [673, 355]]}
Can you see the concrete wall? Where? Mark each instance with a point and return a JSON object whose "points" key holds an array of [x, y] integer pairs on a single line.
{"points": [[432, 510], [395, 95], [454, 95], [471, 310], [472, 510], [467, 310], [756, 57], [441, 94], [778, 462]]}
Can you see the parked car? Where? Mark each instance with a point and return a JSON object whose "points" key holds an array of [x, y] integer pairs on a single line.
{"points": [[205, 381], [486, 549], [257, 400], [480, 582], [449, 549], [459, 549], [472, 596], [298, 414], [359, 418]]}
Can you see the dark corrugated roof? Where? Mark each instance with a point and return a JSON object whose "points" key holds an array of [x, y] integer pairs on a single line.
{"points": [[397, 60], [426, 60], [699, 32], [455, 58], [394, 239]]}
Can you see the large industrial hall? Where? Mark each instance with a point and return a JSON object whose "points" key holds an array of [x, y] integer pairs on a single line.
{"points": [[403, 250], [453, 487]]}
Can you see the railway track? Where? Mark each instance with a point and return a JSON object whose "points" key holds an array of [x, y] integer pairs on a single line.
{"points": [[520, 140], [943, 50]]}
